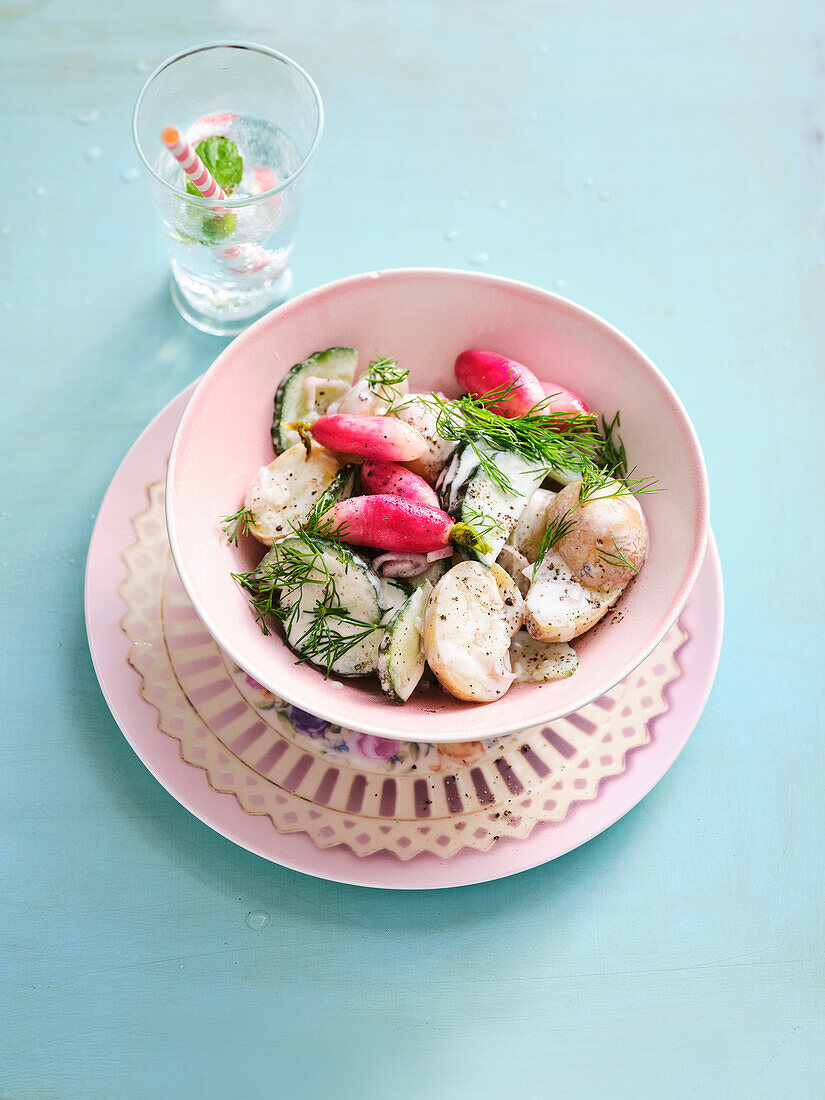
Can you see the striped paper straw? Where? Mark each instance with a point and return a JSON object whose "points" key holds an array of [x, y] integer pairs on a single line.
{"points": [[192, 164]]}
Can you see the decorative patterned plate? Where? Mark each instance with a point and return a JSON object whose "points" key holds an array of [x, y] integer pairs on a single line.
{"points": [[257, 769], [345, 787]]}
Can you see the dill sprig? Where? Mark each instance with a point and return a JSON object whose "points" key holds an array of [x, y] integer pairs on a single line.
{"points": [[384, 378], [600, 484], [604, 479], [322, 643], [481, 524], [275, 591], [554, 532], [237, 524], [613, 453], [616, 557], [561, 441]]}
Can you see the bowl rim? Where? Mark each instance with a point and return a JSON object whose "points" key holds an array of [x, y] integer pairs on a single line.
{"points": [[502, 727]]}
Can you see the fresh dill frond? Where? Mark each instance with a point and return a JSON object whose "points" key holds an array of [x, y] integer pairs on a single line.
{"points": [[320, 525], [481, 524], [275, 591], [237, 524], [599, 484], [325, 645], [384, 378], [613, 454], [616, 556], [554, 532], [552, 440]]}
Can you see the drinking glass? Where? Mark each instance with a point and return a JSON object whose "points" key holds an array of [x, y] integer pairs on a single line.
{"points": [[230, 257]]}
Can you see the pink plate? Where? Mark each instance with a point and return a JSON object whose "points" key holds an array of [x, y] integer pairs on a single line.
{"points": [[425, 317], [189, 785]]}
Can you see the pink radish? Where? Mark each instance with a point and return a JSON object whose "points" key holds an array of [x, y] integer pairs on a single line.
{"points": [[398, 481], [481, 372], [387, 522], [380, 437], [563, 400]]}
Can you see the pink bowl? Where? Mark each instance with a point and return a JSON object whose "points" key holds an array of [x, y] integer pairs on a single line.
{"points": [[425, 317]]}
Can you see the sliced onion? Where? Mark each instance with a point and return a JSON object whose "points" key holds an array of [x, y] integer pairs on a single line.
{"points": [[395, 564], [437, 555]]}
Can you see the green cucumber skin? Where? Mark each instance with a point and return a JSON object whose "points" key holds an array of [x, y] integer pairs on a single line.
{"points": [[385, 652], [353, 560], [313, 364], [343, 485]]}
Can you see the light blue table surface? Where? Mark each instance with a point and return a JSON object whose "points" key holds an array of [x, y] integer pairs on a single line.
{"points": [[661, 163]]}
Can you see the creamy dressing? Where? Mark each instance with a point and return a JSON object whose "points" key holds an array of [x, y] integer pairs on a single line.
{"points": [[271, 492], [322, 392]]}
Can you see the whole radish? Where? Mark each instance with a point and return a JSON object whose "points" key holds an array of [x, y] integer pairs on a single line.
{"points": [[380, 437], [386, 522], [563, 400], [482, 372], [389, 477]]}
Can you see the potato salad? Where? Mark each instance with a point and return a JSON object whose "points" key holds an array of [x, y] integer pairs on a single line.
{"points": [[425, 540]]}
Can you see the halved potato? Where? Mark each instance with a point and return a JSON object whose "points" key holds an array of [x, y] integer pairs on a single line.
{"points": [[284, 491], [466, 635]]}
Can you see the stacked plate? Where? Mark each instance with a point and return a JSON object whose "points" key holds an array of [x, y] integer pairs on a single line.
{"points": [[367, 792]]}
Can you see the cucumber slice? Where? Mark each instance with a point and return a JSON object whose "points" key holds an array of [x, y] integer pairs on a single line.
{"points": [[393, 596], [292, 402], [343, 486], [401, 655], [341, 580], [469, 495]]}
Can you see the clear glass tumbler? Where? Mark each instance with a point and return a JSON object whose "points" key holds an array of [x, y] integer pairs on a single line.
{"points": [[230, 257]]}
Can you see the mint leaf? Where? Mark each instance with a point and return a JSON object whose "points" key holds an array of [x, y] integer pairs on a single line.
{"points": [[222, 159], [218, 225]]}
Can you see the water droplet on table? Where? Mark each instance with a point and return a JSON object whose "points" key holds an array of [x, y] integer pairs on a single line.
{"points": [[87, 301], [128, 175], [5, 231], [588, 181], [501, 204], [464, 193], [6, 305], [561, 284], [544, 48], [604, 194], [40, 191], [141, 66], [480, 258], [450, 234], [532, 115], [257, 920], [93, 152], [86, 118]]}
